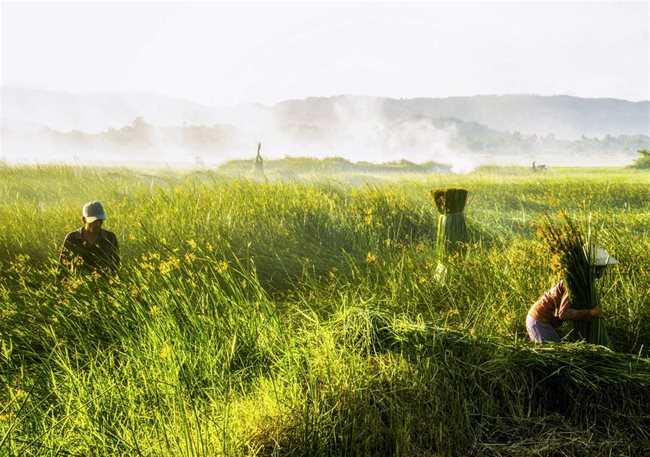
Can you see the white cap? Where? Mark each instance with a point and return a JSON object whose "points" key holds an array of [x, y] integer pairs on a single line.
{"points": [[603, 258], [93, 211]]}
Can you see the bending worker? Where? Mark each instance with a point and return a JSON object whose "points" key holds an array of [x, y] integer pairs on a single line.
{"points": [[554, 307], [90, 248]]}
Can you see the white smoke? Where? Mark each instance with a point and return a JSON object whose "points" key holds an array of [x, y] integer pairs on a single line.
{"points": [[359, 130]]}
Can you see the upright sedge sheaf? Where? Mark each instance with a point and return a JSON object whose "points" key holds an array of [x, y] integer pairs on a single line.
{"points": [[452, 231], [573, 254]]}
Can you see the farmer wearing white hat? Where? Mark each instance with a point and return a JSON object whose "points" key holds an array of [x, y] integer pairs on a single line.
{"points": [[90, 248], [554, 307]]}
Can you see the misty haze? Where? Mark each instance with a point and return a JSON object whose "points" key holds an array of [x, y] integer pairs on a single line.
{"points": [[462, 132], [197, 84]]}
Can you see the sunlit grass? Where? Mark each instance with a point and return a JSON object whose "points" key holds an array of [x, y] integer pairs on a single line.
{"points": [[306, 318]]}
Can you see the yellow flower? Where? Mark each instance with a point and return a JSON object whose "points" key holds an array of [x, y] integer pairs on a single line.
{"points": [[115, 302], [73, 283], [222, 266], [164, 352], [168, 265], [18, 395], [368, 216], [452, 312], [164, 268], [371, 258], [146, 266]]}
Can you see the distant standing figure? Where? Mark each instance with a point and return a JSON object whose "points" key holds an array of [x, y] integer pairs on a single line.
{"points": [[554, 307], [259, 164], [90, 248], [535, 167]]}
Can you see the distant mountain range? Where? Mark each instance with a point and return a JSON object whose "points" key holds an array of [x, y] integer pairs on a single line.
{"points": [[357, 127], [563, 116]]}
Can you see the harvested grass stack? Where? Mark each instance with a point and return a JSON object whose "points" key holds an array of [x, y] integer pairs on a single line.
{"points": [[452, 231], [573, 255]]}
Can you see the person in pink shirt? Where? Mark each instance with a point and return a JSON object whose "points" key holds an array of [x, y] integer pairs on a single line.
{"points": [[554, 307]]}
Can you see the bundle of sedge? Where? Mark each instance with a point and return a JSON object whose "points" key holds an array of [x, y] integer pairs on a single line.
{"points": [[452, 231], [449, 201], [572, 258]]}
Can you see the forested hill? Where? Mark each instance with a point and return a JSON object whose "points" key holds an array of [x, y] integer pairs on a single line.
{"points": [[563, 116], [52, 126], [418, 138]]}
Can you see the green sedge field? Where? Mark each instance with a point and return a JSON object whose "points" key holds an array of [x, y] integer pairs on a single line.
{"points": [[308, 317]]}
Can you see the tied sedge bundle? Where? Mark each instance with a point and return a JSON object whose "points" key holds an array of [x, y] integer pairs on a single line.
{"points": [[452, 231], [573, 256]]}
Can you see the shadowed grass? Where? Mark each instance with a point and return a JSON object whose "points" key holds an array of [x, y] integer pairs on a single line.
{"points": [[306, 318]]}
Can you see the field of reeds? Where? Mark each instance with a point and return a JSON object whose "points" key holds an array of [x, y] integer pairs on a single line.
{"points": [[309, 318]]}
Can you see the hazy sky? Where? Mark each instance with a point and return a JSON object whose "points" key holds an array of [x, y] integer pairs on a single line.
{"points": [[224, 53]]}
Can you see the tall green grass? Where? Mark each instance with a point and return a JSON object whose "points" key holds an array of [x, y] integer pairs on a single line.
{"points": [[305, 318]]}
